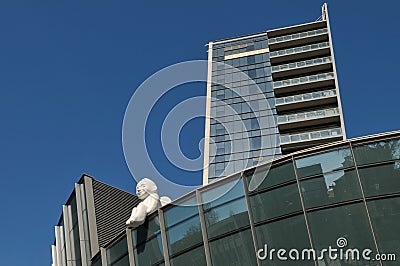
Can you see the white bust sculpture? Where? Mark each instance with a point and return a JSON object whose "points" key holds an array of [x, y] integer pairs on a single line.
{"points": [[146, 190]]}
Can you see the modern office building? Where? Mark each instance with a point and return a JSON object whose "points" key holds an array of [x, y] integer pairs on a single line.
{"points": [[293, 70], [307, 200]]}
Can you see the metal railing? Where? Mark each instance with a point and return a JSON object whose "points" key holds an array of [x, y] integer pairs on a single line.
{"points": [[314, 135], [300, 49], [296, 36], [305, 97], [302, 64], [303, 80], [304, 116]]}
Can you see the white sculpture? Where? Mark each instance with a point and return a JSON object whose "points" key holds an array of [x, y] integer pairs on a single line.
{"points": [[146, 190]]}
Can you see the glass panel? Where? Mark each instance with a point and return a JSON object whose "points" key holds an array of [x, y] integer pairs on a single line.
{"points": [[150, 252], [330, 188], [237, 249], [324, 162], [149, 229], [385, 217], [270, 177], [287, 234], [195, 257], [184, 235], [222, 194], [179, 213], [227, 217], [116, 251], [380, 180], [275, 202], [349, 222], [122, 262], [96, 262], [377, 152]]}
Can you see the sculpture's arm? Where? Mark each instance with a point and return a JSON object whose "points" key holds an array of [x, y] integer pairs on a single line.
{"points": [[138, 216]]}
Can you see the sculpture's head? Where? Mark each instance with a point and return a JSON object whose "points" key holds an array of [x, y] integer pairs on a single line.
{"points": [[145, 188]]}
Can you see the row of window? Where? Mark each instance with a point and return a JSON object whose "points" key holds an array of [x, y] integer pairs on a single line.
{"points": [[242, 76], [267, 133], [244, 125], [301, 64], [298, 35], [241, 61], [230, 166], [242, 116], [242, 107], [241, 89], [228, 69], [229, 97], [300, 49], [233, 45], [306, 97], [245, 48], [224, 155]]}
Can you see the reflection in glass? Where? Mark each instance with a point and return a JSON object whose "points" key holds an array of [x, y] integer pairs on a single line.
{"points": [[276, 202], [195, 257], [288, 233], [324, 162], [150, 252], [185, 210], [385, 217], [237, 249], [117, 251], [350, 222], [223, 193], [227, 217], [265, 177], [184, 235], [381, 180], [377, 152], [97, 261], [330, 188], [147, 242], [124, 261]]}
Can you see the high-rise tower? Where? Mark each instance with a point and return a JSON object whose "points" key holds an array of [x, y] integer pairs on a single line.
{"points": [[293, 70]]}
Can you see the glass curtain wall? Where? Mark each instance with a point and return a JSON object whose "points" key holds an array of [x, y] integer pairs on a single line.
{"points": [[237, 136], [304, 201]]}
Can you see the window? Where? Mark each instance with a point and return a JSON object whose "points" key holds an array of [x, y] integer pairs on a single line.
{"points": [[324, 162], [195, 257], [270, 176], [118, 253], [225, 208], [329, 224], [183, 226], [377, 152], [276, 202], [287, 233], [237, 249], [147, 242], [380, 180], [385, 217], [330, 188]]}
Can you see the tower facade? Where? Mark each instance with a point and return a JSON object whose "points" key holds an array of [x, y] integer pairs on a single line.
{"points": [[269, 94]]}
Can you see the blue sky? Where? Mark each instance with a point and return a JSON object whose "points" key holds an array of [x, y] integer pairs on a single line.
{"points": [[69, 68]]}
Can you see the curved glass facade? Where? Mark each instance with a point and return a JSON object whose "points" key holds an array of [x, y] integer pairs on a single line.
{"points": [[305, 201]]}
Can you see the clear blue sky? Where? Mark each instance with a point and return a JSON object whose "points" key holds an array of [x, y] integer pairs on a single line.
{"points": [[69, 68]]}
